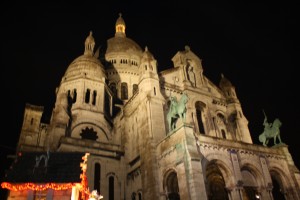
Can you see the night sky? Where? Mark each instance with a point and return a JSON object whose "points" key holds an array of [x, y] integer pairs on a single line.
{"points": [[255, 46]]}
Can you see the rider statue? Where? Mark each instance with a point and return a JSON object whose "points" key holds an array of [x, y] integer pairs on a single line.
{"points": [[173, 104], [271, 131], [177, 109], [266, 124]]}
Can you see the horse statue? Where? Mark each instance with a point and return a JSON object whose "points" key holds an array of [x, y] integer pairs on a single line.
{"points": [[271, 131], [177, 110]]}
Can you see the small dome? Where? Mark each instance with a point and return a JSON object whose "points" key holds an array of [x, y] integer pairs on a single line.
{"points": [[224, 82], [86, 65], [147, 55]]}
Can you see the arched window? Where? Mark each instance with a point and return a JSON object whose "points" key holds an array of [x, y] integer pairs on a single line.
{"points": [[74, 95], [124, 91], [87, 95], [278, 186], [97, 177], [199, 109], [94, 97], [140, 195], [171, 185], [215, 187], [111, 189]]}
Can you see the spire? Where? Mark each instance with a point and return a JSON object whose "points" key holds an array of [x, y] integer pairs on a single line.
{"points": [[89, 45], [120, 26]]}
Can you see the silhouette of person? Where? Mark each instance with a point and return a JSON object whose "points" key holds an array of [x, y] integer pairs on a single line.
{"points": [[266, 124]]}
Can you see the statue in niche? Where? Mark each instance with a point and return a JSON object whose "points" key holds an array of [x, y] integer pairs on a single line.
{"points": [[271, 130], [177, 110], [191, 74]]}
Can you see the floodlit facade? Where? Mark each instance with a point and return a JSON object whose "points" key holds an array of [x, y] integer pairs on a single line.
{"points": [[153, 134]]}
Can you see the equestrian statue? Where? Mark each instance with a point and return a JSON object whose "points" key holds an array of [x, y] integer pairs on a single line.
{"points": [[271, 130], [177, 110]]}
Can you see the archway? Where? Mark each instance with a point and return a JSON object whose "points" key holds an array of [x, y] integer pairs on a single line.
{"points": [[278, 189], [215, 184], [250, 185], [171, 186]]}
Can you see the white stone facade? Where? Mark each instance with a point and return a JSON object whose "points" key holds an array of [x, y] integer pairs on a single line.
{"points": [[116, 110]]}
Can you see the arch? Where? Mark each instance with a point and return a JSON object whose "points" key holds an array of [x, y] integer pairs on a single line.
{"points": [[223, 163], [220, 125], [200, 106], [113, 186], [140, 196], [281, 185], [124, 91], [94, 97], [217, 179], [252, 180], [97, 176], [278, 188], [74, 98], [101, 133], [170, 185], [87, 96]]}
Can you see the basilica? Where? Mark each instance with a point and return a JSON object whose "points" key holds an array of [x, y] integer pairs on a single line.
{"points": [[127, 131]]}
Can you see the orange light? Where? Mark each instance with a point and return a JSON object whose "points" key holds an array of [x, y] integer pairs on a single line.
{"points": [[37, 187], [83, 186]]}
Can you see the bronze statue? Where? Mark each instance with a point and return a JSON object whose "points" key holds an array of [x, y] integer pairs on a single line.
{"points": [[177, 110], [271, 130]]}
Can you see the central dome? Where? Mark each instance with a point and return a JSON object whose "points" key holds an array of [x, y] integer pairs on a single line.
{"points": [[122, 44]]}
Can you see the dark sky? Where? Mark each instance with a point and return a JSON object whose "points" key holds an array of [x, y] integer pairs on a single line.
{"points": [[256, 46]]}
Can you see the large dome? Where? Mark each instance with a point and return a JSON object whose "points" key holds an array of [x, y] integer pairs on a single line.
{"points": [[86, 65], [122, 44]]}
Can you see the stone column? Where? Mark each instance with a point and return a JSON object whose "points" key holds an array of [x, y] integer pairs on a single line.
{"points": [[182, 182], [196, 181]]}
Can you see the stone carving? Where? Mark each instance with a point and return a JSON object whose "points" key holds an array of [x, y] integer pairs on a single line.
{"points": [[191, 75], [177, 110], [271, 130]]}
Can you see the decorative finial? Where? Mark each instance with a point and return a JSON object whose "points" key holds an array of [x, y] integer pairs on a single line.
{"points": [[91, 33], [120, 14], [146, 48], [222, 75], [187, 48]]}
